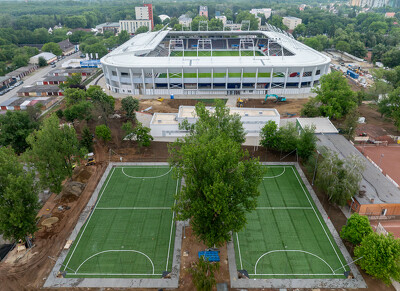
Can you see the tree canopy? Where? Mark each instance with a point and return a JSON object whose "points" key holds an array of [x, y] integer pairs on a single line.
{"points": [[18, 197], [52, 47], [221, 180], [356, 228], [52, 153], [130, 105]]}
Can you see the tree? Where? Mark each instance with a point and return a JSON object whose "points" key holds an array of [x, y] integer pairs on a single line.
{"points": [[350, 123], [52, 153], [221, 179], [314, 43], [20, 60], [380, 256], [130, 105], [42, 62], [143, 137], [269, 135], [103, 103], [339, 179], [18, 197], [307, 143], [103, 132], [342, 46], [335, 95], [288, 137], [87, 139], [80, 111], [141, 29], [52, 47], [356, 228], [74, 96], [203, 274], [123, 36], [15, 126], [390, 106], [311, 108], [73, 81]]}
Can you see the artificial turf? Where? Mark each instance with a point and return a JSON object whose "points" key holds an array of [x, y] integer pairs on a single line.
{"points": [[131, 229], [286, 236]]}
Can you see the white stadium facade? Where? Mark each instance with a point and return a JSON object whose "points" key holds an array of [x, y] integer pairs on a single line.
{"points": [[213, 62]]}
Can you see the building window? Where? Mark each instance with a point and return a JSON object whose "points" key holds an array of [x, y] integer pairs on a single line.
{"points": [[114, 73], [124, 74], [318, 72]]}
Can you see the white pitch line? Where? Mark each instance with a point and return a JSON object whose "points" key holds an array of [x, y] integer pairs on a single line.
{"points": [[132, 208], [295, 274], [276, 176], [240, 256], [300, 251], [284, 208], [172, 225], [305, 193], [91, 215], [107, 274], [154, 177]]}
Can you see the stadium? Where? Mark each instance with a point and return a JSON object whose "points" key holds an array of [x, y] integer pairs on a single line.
{"points": [[213, 62]]}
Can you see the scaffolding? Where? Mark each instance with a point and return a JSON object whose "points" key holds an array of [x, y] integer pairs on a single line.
{"points": [[176, 44], [204, 45]]}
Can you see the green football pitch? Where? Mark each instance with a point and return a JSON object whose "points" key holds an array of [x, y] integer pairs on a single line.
{"points": [[131, 231], [235, 53], [286, 236]]}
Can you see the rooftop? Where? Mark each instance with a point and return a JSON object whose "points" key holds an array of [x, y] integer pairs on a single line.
{"points": [[65, 45], [129, 53], [39, 88], [322, 124], [46, 55], [164, 118], [189, 112]]}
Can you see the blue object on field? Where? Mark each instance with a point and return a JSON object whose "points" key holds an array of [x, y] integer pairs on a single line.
{"points": [[211, 256], [172, 96]]}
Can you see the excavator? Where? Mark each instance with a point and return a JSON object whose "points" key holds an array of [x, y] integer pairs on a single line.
{"points": [[239, 102], [278, 98]]}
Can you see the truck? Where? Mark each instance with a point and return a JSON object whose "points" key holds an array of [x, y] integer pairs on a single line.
{"points": [[352, 74]]}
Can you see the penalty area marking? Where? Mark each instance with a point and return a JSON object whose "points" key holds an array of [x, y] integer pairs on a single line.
{"points": [[133, 208], [284, 208], [300, 251], [172, 225], [276, 176], [111, 274], [154, 177], [109, 251]]}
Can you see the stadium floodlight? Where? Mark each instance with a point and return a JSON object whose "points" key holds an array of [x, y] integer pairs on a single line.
{"points": [[245, 44], [203, 24], [245, 26], [204, 45], [176, 44]]}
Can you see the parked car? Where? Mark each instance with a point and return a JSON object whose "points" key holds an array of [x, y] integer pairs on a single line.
{"points": [[53, 66]]}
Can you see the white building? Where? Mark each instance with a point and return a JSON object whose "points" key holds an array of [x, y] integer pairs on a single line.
{"points": [[222, 18], [131, 25], [184, 20], [142, 13], [163, 17], [291, 22], [253, 119], [49, 57], [369, 3], [266, 11]]}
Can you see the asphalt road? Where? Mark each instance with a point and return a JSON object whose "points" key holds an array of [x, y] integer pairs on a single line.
{"points": [[36, 76]]}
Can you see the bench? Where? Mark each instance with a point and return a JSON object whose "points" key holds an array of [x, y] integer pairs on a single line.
{"points": [[211, 256]]}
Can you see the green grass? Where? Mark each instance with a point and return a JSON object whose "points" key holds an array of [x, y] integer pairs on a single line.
{"points": [[235, 53], [286, 225], [130, 228]]}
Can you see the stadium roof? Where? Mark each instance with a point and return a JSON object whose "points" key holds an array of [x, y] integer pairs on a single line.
{"points": [[129, 54]]}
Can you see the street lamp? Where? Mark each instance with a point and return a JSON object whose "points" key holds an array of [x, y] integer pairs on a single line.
{"points": [[315, 169], [380, 160]]}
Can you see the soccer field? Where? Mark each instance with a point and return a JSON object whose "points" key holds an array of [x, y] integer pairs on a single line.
{"points": [[235, 53], [131, 231], [285, 236]]}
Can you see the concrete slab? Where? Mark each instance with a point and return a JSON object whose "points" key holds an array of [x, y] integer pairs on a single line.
{"points": [[54, 281]]}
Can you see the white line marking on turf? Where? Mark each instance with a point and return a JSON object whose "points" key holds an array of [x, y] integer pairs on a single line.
{"points": [[111, 274], [132, 208], [305, 193], [172, 226], [300, 251], [273, 177], [109, 251], [87, 222], [284, 208], [240, 256], [295, 274], [155, 177]]}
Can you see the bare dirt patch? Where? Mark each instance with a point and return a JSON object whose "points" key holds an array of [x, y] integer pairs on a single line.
{"points": [[292, 106], [375, 125]]}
